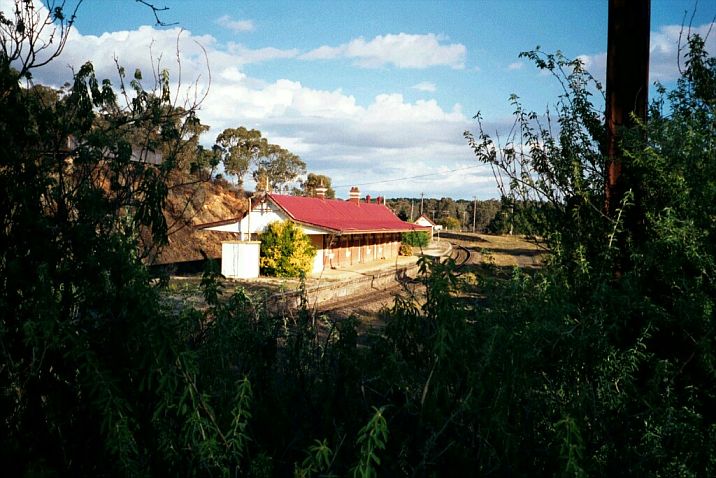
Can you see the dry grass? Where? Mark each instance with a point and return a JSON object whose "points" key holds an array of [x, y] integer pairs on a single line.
{"points": [[502, 251], [510, 251]]}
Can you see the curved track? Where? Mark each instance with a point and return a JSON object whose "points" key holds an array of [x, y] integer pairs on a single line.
{"points": [[461, 255], [371, 301]]}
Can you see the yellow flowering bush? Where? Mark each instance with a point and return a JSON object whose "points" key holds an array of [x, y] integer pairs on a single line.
{"points": [[286, 251]]}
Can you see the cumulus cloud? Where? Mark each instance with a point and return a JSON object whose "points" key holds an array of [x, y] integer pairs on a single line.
{"points": [[402, 50], [515, 66], [425, 86], [664, 49], [596, 65], [239, 26], [351, 141]]}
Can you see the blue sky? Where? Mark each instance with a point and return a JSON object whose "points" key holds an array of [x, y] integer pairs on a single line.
{"points": [[365, 91]]}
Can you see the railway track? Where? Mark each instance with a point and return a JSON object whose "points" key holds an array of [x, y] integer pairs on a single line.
{"points": [[461, 255], [365, 305], [370, 302]]}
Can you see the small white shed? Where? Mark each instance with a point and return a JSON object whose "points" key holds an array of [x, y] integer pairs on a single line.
{"points": [[240, 259]]}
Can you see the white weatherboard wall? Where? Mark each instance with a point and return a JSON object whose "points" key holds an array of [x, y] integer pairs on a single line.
{"points": [[240, 259], [256, 221], [317, 241]]}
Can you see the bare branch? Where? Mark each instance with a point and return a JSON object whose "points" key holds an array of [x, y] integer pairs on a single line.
{"points": [[156, 10]]}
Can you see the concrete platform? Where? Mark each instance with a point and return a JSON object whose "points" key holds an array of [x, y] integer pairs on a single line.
{"points": [[435, 249], [337, 283]]}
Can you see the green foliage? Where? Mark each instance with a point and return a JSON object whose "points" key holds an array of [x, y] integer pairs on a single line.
{"points": [[482, 212], [318, 461], [450, 223], [286, 251], [613, 371], [277, 167], [569, 370], [519, 217], [415, 238], [242, 150], [371, 438], [239, 148], [96, 378]]}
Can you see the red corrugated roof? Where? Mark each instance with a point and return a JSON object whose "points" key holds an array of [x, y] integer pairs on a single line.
{"points": [[342, 216]]}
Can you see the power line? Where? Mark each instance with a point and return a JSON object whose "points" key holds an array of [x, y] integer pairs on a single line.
{"points": [[408, 177]]}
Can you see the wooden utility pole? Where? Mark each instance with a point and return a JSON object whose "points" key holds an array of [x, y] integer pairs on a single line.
{"points": [[474, 212], [421, 203], [627, 84]]}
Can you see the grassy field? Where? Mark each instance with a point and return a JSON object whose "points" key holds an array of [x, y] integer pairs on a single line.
{"points": [[502, 251]]}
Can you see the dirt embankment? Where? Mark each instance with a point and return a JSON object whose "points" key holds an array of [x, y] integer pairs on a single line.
{"points": [[190, 205]]}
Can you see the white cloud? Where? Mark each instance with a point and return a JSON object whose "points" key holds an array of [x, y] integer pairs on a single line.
{"points": [[385, 137], [248, 55], [663, 58], [402, 50], [239, 26], [595, 64], [425, 86], [664, 49], [515, 66], [323, 53]]}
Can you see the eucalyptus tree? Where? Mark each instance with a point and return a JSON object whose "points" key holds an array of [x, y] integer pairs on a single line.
{"points": [[240, 149], [246, 150]]}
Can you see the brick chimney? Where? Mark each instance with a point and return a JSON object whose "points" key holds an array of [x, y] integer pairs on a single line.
{"points": [[354, 195], [321, 192]]}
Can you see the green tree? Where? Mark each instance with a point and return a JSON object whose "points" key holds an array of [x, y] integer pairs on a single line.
{"points": [[96, 378], [278, 167], [271, 166], [286, 251], [240, 148], [484, 214], [445, 207], [450, 223]]}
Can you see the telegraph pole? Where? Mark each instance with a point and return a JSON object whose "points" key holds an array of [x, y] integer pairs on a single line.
{"points": [[627, 84], [412, 203], [421, 203], [474, 212]]}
